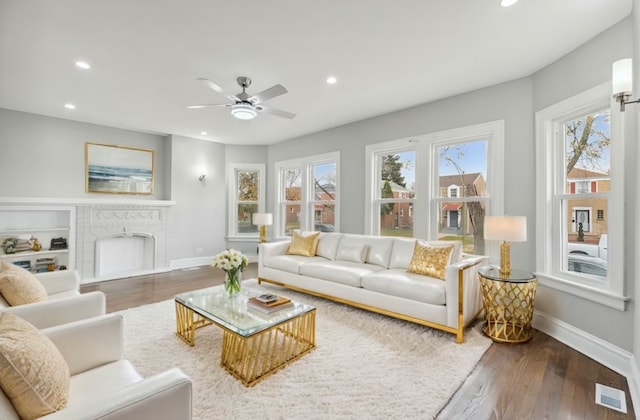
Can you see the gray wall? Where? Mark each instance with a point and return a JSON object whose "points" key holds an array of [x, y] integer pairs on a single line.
{"points": [[44, 156], [584, 68]]}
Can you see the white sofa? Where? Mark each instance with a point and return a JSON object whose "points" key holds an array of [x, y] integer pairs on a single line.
{"points": [[379, 281], [104, 385], [64, 303]]}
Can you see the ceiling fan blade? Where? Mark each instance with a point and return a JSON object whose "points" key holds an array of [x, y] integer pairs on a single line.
{"points": [[206, 106], [275, 111], [272, 92], [217, 88]]}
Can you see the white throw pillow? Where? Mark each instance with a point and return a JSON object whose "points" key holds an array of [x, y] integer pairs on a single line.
{"points": [[328, 245], [353, 252]]}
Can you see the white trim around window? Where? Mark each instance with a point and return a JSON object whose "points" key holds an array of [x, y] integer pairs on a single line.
{"points": [[233, 170], [549, 226]]}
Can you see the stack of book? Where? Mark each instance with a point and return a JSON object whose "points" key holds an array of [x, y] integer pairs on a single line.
{"points": [[45, 264], [268, 303]]}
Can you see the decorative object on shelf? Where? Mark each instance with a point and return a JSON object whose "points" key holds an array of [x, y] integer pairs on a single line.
{"points": [[232, 262], [263, 220], [58, 243], [505, 229], [9, 245], [35, 244], [118, 170]]}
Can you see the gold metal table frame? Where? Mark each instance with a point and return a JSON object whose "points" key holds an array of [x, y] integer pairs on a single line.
{"points": [[508, 304], [253, 357]]}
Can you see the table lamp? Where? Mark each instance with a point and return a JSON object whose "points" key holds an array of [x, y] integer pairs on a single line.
{"points": [[505, 229], [263, 220]]}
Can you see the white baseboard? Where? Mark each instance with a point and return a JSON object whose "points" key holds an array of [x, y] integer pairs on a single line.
{"points": [[198, 261], [613, 357]]}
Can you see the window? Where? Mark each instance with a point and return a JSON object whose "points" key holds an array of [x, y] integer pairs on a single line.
{"points": [[394, 191], [308, 194], [245, 198], [449, 180], [580, 166]]}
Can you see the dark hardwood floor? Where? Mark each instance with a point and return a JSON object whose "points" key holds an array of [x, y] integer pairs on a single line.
{"points": [[541, 379]]}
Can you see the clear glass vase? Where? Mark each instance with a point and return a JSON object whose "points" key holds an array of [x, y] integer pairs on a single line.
{"points": [[232, 282]]}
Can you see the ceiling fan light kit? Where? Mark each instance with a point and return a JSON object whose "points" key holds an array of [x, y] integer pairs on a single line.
{"points": [[243, 111]]}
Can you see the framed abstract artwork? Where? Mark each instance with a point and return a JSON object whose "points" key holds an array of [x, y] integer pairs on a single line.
{"points": [[118, 169]]}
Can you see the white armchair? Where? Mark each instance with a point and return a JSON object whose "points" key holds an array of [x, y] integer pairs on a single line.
{"points": [[103, 384], [64, 304]]}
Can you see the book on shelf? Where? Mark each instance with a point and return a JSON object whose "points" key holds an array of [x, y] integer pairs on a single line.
{"points": [[279, 304]]}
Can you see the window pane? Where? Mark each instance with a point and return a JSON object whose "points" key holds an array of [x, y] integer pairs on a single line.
{"points": [[324, 217], [248, 185], [587, 236], [462, 169], [396, 219], [291, 218], [293, 184], [244, 218], [463, 222], [324, 177], [398, 170], [587, 153]]}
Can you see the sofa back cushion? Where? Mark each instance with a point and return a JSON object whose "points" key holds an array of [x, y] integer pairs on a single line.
{"points": [[379, 251], [403, 251], [328, 245], [352, 248]]}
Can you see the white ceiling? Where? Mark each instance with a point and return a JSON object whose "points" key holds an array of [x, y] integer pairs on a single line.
{"points": [[387, 55]]}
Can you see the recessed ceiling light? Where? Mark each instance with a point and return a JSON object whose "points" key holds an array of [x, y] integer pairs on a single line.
{"points": [[507, 3], [331, 80], [204, 133], [70, 106], [83, 65]]}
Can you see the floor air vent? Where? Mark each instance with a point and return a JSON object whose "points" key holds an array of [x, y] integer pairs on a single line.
{"points": [[611, 398]]}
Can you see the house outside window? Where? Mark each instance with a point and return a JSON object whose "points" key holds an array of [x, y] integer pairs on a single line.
{"points": [[308, 194], [580, 171], [245, 198]]}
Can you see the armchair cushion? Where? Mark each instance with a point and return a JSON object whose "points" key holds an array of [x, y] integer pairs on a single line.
{"points": [[33, 373], [18, 286]]}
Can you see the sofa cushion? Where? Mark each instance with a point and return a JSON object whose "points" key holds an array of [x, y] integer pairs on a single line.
{"points": [[402, 251], [430, 260], [18, 286], [328, 245], [398, 282], [33, 373], [345, 272], [352, 248], [289, 263], [304, 243], [379, 250]]}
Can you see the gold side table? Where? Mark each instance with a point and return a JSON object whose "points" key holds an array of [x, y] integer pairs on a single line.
{"points": [[508, 304]]}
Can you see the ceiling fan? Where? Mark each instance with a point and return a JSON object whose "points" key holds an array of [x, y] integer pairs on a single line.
{"points": [[245, 106]]}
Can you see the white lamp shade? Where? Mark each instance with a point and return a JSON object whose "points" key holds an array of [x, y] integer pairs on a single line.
{"points": [[505, 228], [622, 78], [262, 219]]}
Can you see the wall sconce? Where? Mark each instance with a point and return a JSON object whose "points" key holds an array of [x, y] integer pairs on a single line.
{"points": [[622, 81], [263, 220], [202, 177], [506, 229]]}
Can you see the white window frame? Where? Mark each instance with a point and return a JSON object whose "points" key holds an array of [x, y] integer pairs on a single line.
{"points": [[427, 187], [232, 212], [550, 235], [307, 199]]}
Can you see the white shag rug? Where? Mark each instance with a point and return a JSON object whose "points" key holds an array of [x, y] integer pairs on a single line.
{"points": [[365, 366]]}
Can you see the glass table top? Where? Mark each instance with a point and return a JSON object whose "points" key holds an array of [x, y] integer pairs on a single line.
{"points": [[515, 276], [214, 304]]}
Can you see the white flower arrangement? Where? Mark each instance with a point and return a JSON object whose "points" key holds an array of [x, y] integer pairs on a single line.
{"points": [[230, 260]]}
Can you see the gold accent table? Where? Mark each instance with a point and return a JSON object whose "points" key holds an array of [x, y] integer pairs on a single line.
{"points": [[508, 304], [254, 345]]}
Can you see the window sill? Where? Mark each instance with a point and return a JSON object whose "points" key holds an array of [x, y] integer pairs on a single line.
{"points": [[253, 238], [603, 297]]}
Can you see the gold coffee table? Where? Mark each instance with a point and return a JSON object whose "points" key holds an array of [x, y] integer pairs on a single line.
{"points": [[508, 304], [254, 345]]}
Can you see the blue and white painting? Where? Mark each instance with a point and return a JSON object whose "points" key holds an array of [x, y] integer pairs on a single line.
{"points": [[118, 169]]}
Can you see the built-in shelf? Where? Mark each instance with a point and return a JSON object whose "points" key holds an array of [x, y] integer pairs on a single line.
{"points": [[29, 254]]}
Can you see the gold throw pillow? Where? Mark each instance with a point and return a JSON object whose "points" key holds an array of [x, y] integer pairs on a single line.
{"points": [[430, 261], [19, 286], [304, 244], [33, 373]]}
